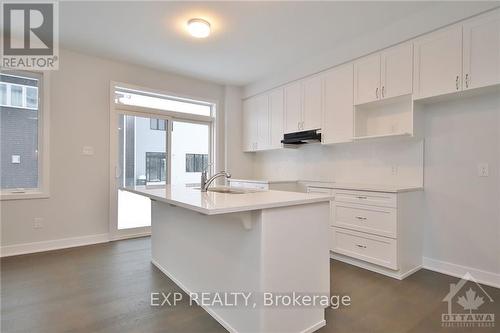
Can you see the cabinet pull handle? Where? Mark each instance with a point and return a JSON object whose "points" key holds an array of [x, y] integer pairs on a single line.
{"points": [[361, 197], [383, 91], [456, 82], [466, 80], [376, 92], [361, 246], [361, 218]]}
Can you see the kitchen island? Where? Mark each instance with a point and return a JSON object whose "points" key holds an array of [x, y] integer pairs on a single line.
{"points": [[267, 245]]}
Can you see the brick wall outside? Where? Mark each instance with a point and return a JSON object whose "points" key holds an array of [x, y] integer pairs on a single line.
{"points": [[18, 136]]}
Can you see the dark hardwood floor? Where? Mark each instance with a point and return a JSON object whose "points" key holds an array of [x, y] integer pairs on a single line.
{"points": [[106, 288]]}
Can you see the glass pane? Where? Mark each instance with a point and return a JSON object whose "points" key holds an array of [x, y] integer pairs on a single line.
{"points": [[161, 103], [16, 95], [143, 161], [18, 136], [3, 94], [190, 143], [31, 97]]}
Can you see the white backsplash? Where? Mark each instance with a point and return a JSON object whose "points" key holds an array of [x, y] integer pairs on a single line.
{"points": [[384, 162]]}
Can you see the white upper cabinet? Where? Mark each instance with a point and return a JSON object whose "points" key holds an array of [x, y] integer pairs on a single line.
{"points": [[438, 63], [249, 125], [367, 79], [481, 51], [263, 125], [293, 107], [338, 105], [397, 71], [312, 103], [276, 114]]}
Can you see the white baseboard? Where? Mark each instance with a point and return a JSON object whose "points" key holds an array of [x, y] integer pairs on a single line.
{"points": [[484, 277], [136, 235], [25, 248], [187, 291], [374, 268]]}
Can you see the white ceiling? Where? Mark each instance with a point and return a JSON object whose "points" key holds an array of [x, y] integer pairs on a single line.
{"points": [[250, 40]]}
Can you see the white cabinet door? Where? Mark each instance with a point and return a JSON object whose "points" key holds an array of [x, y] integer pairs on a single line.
{"points": [[263, 128], [438, 63], [367, 79], [338, 101], [312, 103], [293, 107], [397, 71], [276, 115], [482, 51], [249, 125]]}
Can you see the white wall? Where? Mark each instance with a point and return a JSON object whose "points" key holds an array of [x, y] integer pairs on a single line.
{"points": [[462, 224], [358, 162], [78, 204], [239, 164]]}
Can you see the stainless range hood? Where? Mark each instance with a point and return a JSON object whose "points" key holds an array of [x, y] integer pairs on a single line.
{"points": [[300, 138]]}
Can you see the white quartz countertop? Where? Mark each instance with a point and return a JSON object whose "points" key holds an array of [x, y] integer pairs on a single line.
{"points": [[211, 203]]}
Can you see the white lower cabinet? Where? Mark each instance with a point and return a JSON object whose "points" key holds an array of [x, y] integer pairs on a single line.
{"points": [[378, 250], [378, 231]]}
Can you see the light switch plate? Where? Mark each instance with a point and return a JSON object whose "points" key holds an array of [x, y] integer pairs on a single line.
{"points": [[483, 170], [16, 159], [88, 150]]}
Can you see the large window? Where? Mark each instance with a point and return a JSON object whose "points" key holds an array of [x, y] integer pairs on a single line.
{"points": [[21, 130]]}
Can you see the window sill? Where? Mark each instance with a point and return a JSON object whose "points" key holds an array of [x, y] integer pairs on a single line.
{"points": [[25, 195]]}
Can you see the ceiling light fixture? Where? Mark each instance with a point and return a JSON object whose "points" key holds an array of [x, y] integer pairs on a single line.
{"points": [[198, 28]]}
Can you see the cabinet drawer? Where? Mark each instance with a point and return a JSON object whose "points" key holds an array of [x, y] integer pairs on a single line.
{"points": [[374, 249], [372, 219], [367, 198]]}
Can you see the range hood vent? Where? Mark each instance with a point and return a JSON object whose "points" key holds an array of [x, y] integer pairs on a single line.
{"points": [[300, 138]]}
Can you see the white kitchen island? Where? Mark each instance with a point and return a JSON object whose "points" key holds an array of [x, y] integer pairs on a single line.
{"points": [[269, 244]]}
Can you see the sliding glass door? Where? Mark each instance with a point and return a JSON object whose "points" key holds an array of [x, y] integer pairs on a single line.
{"points": [[155, 140], [142, 161]]}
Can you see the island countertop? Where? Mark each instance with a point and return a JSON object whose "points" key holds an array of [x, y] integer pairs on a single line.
{"points": [[211, 203]]}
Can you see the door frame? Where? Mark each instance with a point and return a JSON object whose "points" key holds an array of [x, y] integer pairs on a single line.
{"points": [[115, 172]]}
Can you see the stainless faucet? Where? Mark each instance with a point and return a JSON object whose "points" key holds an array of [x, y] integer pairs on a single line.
{"points": [[205, 183]]}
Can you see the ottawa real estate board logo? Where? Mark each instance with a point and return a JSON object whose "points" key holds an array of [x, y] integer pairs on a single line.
{"points": [[30, 35], [469, 305]]}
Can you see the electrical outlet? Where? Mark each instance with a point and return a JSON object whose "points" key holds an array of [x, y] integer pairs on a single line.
{"points": [[394, 170], [37, 223], [483, 170]]}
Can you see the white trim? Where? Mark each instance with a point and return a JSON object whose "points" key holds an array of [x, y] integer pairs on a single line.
{"points": [[374, 268], [315, 327], [56, 244], [210, 311], [139, 234], [459, 271]]}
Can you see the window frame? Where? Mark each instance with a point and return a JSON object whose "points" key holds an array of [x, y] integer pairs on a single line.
{"points": [[43, 189]]}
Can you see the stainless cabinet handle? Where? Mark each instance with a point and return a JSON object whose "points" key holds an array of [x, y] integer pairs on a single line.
{"points": [[383, 89], [361, 197], [376, 92], [466, 80], [361, 218], [361, 246], [456, 82]]}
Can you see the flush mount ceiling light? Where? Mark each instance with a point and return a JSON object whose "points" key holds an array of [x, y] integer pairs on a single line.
{"points": [[198, 28]]}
